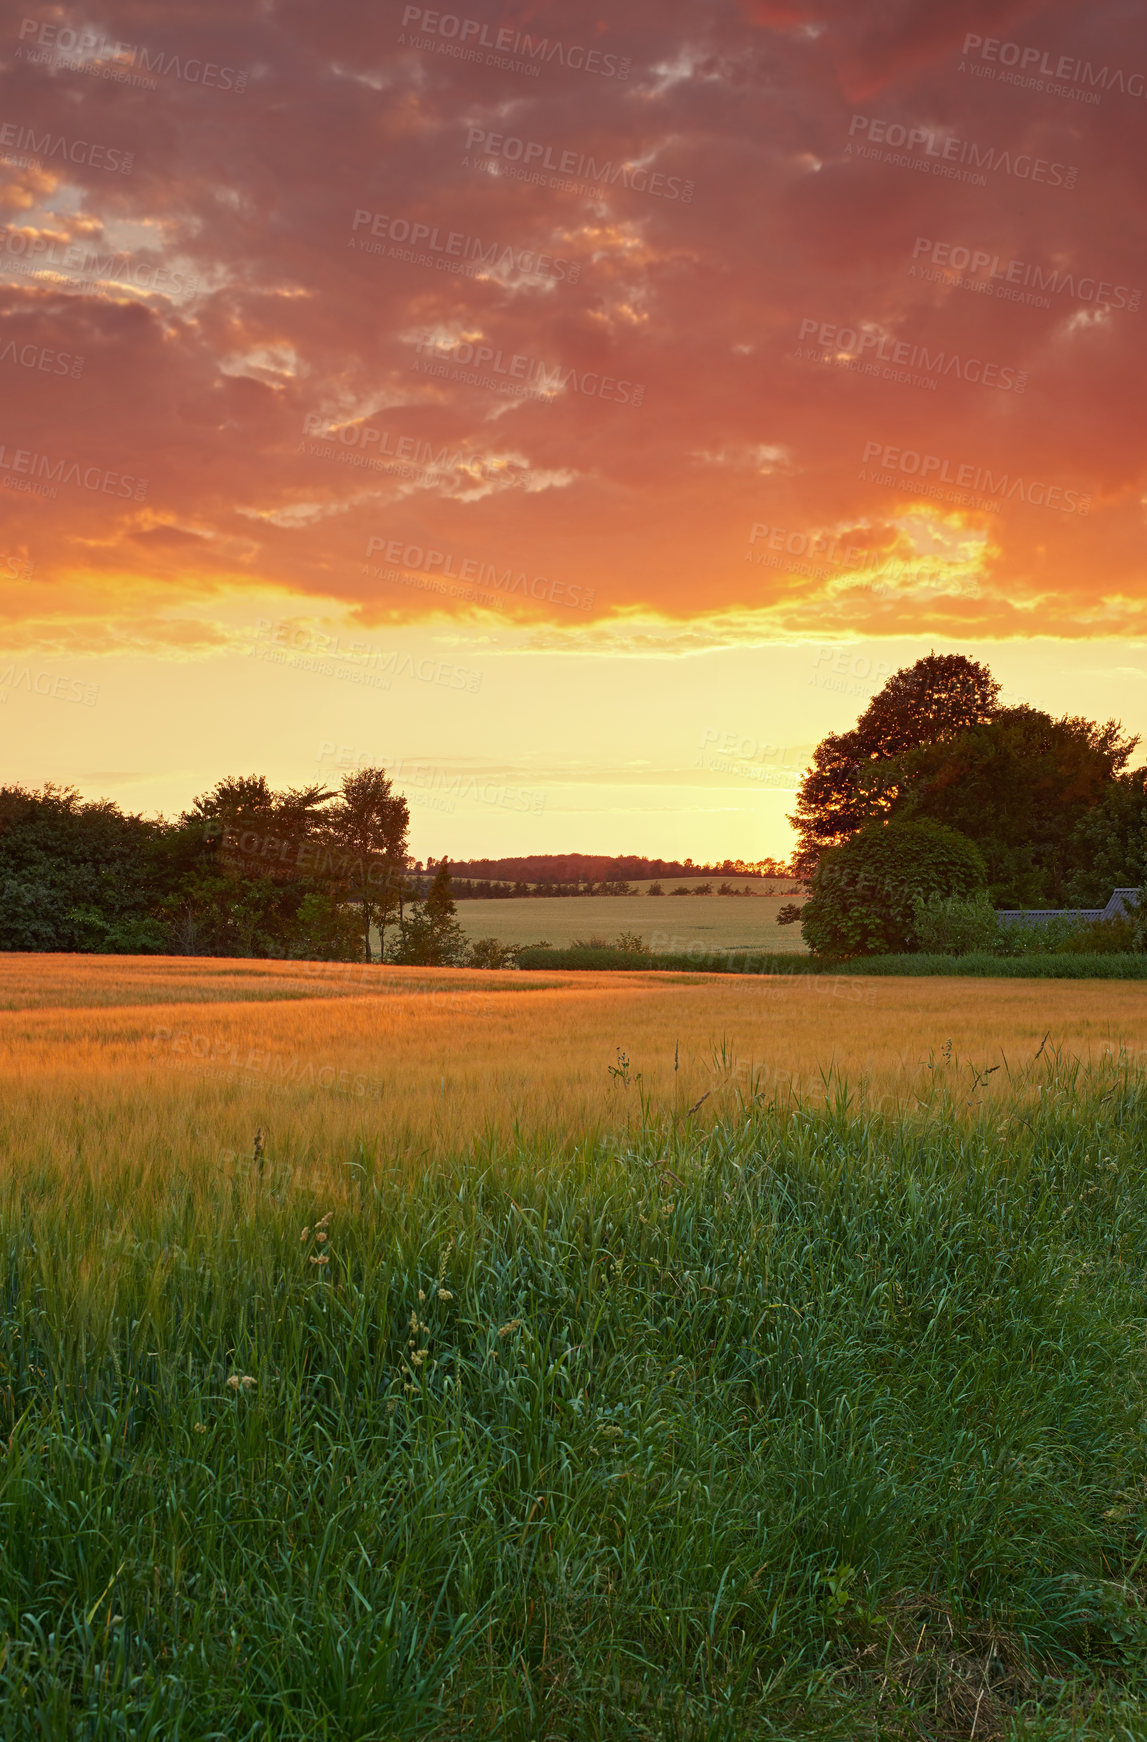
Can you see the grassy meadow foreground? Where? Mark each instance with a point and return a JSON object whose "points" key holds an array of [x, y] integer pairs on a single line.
{"points": [[507, 1387]]}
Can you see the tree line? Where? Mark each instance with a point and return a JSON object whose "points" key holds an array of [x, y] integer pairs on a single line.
{"points": [[559, 873], [309, 872]]}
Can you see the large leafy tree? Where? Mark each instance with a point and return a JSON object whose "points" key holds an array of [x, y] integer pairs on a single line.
{"points": [[368, 829], [243, 861], [926, 703], [1107, 848], [1020, 786]]}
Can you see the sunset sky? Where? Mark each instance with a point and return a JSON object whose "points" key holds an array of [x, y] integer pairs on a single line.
{"points": [[577, 410]]}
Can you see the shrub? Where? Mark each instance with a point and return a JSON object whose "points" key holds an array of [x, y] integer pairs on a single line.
{"points": [[626, 943], [788, 914], [864, 892], [1101, 937], [1097, 937], [952, 925], [327, 930], [429, 936], [492, 953]]}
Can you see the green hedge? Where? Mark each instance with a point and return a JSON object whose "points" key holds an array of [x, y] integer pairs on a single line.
{"points": [[1053, 966]]}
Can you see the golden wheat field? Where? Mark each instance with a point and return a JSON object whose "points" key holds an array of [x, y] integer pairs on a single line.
{"points": [[152, 1064]]}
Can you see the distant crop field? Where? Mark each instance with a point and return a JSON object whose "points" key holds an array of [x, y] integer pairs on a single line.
{"points": [[668, 924]]}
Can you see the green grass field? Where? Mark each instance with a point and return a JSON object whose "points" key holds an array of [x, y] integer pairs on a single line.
{"points": [[805, 1421], [719, 922]]}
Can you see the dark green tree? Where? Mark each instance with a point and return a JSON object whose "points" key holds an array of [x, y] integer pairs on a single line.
{"points": [[429, 934], [243, 860], [1020, 786], [1107, 848], [924, 703], [368, 832], [864, 892], [76, 875]]}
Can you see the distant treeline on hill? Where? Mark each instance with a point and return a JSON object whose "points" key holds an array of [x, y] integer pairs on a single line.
{"points": [[538, 868]]}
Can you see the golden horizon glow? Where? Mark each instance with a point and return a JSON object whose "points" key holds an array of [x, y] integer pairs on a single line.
{"points": [[550, 382]]}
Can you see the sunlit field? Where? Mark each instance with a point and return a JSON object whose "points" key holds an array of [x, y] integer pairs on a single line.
{"points": [[720, 922], [147, 1061], [408, 1353]]}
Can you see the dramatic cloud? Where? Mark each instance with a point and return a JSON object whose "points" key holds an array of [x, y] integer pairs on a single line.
{"points": [[678, 327]]}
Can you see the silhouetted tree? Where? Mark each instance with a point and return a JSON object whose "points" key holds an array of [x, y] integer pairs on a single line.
{"points": [[1019, 786], [924, 703], [429, 934], [369, 826]]}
